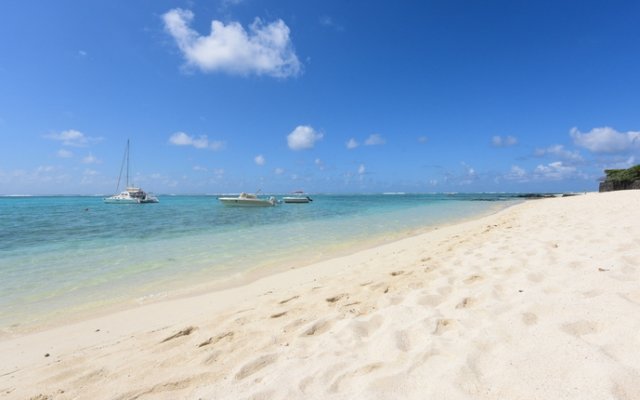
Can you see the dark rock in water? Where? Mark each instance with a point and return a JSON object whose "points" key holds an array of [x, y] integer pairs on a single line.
{"points": [[536, 195]]}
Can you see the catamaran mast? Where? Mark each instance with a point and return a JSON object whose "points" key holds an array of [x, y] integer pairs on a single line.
{"points": [[125, 158], [127, 162]]}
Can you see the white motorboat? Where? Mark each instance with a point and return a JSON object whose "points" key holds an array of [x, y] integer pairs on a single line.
{"points": [[131, 194], [297, 198], [248, 200]]}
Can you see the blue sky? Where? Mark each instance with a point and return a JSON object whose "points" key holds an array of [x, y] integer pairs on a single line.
{"points": [[323, 96]]}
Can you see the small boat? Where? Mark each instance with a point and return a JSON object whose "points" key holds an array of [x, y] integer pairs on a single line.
{"points": [[131, 194], [297, 198], [248, 200]]}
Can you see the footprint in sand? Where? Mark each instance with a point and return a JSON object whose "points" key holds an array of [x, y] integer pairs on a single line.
{"points": [[535, 277], [263, 395], [216, 339], [581, 327], [318, 328], [403, 343], [473, 279], [443, 326], [591, 293], [529, 318], [633, 297], [364, 370], [160, 388], [336, 298], [365, 328], [288, 300], [431, 300], [93, 376], [305, 382], [466, 302], [185, 332], [256, 365], [429, 268], [445, 290], [213, 357]]}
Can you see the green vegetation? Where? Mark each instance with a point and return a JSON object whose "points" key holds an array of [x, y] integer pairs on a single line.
{"points": [[623, 175]]}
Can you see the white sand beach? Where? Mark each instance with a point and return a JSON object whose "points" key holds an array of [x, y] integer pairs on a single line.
{"points": [[539, 301]]}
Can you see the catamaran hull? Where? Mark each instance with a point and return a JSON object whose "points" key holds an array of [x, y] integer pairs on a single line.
{"points": [[109, 200], [120, 199]]}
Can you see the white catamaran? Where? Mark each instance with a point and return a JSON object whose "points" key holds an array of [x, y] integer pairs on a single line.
{"points": [[131, 194]]}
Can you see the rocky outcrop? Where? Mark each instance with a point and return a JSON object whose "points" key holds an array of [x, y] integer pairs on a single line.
{"points": [[621, 179], [609, 186]]}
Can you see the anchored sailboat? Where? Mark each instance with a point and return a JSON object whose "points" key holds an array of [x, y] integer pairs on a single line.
{"points": [[131, 194]]}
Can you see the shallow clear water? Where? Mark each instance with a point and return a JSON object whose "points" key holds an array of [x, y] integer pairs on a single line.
{"points": [[60, 255]]}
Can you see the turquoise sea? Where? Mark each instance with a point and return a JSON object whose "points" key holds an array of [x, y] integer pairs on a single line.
{"points": [[65, 256]]}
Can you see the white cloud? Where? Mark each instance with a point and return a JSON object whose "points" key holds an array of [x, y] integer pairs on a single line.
{"points": [[90, 159], [278, 171], [374, 140], [199, 168], [88, 176], [45, 168], [228, 3], [517, 171], [606, 140], [262, 50], [259, 160], [41, 175], [201, 142], [558, 150], [361, 169], [507, 141], [303, 137], [555, 171], [423, 139], [517, 174], [72, 137], [63, 153], [319, 164], [352, 144], [328, 22], [470, 174], [621, 163]]}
